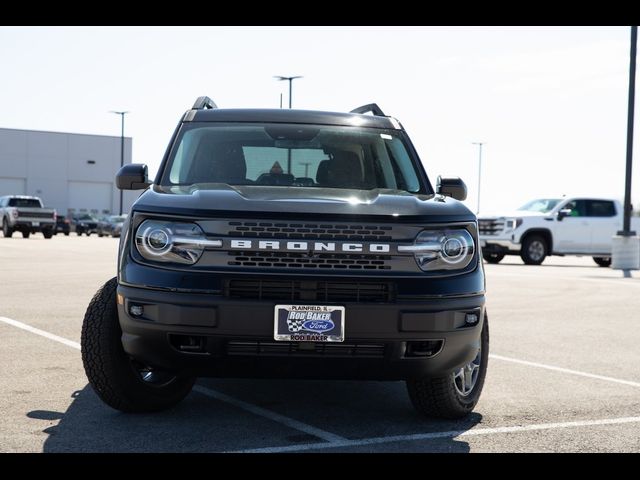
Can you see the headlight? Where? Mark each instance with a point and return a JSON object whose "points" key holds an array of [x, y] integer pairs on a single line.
{"points": [[172, 242], [446, 249], [513, 223]]}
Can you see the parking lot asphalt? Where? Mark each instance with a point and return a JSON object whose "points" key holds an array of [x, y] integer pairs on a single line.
{"points": [[562, 375]]}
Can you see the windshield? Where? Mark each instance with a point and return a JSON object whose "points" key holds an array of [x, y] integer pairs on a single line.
{"points": [[542, 205], [86, 216], [116, 219], [24, 202], [286, 155]]}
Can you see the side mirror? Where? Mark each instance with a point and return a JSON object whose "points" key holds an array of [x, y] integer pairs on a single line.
{"points": [[133, 177], [565, 212], [452, 187]]}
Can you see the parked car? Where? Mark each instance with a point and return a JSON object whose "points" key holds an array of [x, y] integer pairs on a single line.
{"points": [[83, 223], [27, 215], [554, 226], [356, 267], [111, 225], [101, 222], [62, 225]]}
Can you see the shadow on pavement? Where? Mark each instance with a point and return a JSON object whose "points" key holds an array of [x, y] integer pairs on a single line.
{"points": [[353, 410]]}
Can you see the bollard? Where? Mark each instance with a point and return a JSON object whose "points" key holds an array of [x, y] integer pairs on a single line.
{"points": [[625, 252]]}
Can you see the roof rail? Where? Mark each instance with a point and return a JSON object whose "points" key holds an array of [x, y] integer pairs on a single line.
{"points": [[370, 107], [203, 103]]}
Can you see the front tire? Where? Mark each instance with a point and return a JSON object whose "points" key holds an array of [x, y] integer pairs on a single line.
{"points": [[455, 395], [493, 257], [7, 231], [534, 250], [602, 261], [118, 380], [26, 234], [47, 233]]}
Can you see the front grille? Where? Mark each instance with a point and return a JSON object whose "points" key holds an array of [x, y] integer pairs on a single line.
{"points": [[344, 261], [34, 215], [303, 290], [316, 231], [266, 348], [490, 227]]}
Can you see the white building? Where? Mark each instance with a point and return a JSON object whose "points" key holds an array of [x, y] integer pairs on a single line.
{"points": [[68, 171]]}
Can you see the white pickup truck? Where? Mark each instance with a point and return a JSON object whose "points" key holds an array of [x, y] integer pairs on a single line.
{"points": [[26, 215], [554, 226]]}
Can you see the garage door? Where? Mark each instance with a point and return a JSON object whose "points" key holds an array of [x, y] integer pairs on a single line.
{"points": [[92, 197], [11, 186]]}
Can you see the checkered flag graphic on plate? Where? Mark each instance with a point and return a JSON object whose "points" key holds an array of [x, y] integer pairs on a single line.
{"points": [[294, 325]]}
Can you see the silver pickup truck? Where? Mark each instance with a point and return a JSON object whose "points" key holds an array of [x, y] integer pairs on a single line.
{"points": [[20, 213]]}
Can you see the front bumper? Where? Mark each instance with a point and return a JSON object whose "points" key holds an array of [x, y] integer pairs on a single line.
{"points": [[499, 244], [33, 225], [236, 337]]}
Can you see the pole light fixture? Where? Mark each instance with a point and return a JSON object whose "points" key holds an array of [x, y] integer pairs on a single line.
{"points": [[290, 80], [122, 114], [626, 227], [480, 144], [625, 249]]}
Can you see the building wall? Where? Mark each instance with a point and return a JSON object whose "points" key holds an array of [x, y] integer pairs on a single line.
{"points": [[66, 170]]}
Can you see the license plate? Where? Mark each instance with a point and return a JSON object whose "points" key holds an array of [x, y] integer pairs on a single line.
{"points": [[308, 323], [35, 224]]}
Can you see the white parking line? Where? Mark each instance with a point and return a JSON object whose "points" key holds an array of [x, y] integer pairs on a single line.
{"points": [[333, 440], [42, 333], [564, 370], [262, 412], [276, 417], [449, 434]]}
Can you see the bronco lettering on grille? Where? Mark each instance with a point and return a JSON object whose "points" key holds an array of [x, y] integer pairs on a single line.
{"points": [[309, 246]]}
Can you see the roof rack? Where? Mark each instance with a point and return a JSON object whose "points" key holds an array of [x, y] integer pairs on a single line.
{"points": [[370, 107], [204, 103]]}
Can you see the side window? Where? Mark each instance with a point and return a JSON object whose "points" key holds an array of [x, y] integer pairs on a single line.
{"points": [[405, 173], [178, 165], [600, 208], [577, 207]]}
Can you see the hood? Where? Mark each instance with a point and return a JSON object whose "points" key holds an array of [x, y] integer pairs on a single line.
{"points": [[274, 202]]}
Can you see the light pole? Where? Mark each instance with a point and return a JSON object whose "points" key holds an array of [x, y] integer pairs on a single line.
{"points": [[306, 168], [625, 250], [479, 170], [290, 79], [122, 114], [626, 227]]}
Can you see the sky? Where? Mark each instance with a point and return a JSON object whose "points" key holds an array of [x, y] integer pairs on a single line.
{"points": [[550, 103]]}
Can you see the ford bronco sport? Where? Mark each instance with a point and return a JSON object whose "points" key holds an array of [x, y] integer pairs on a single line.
{"points": [[290, 243]]}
